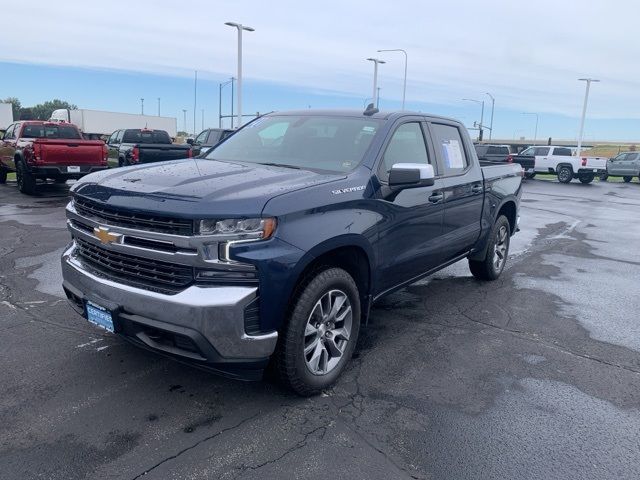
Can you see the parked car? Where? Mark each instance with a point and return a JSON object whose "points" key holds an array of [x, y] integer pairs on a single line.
{"points": [[560, 161], [134, 146], [499, 154], [207, 139], [278, 241], [625, 165], [38, 150]]}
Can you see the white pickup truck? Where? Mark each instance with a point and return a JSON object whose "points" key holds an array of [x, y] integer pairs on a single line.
{"points": [[562, 162]]}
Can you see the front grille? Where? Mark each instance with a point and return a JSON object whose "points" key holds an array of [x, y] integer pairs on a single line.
{"points": [[140, 272], [139, 221], [252, 318]]}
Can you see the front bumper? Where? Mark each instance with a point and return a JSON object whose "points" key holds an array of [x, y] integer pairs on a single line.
{"points": [[201, 325]]}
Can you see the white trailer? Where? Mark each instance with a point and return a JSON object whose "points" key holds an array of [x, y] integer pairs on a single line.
{"points": [[6, 115], [96, 122]]}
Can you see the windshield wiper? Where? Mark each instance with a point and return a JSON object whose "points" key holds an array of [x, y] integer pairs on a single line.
{"points": [[285, 165]]}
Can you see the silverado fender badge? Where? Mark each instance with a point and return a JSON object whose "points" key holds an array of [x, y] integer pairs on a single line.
{"points": [[105, 236], [348, 189]]}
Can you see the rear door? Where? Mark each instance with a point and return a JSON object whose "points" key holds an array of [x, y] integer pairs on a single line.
{"points": [[463, 188], [634, 163], [410, 233], [113, 144]]}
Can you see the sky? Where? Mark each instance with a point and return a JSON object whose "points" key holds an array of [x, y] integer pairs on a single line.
{"points": [[528, 55]]}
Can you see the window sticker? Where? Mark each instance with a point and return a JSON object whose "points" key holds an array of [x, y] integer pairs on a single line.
{"points": [[452, 152]]}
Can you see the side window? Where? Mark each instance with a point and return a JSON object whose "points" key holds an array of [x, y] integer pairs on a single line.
{"points": [[8, 135], [406, 146], [214, 137], [450, 148], [632, 157], [564, 152], [202, 138], [119, 136], [112, 138], [541, 151]]}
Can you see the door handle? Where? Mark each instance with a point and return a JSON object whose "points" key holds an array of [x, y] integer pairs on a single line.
{"points": [[436, 197], [477, 189]]}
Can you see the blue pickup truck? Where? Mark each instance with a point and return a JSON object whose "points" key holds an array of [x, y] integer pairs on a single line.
{"points": [[271, 249]]}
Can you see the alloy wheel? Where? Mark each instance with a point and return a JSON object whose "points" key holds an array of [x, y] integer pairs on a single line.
{"points": [[501, 248]]}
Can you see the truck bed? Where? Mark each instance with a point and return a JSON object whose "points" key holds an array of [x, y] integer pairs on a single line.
{"points": [[160, 152]]}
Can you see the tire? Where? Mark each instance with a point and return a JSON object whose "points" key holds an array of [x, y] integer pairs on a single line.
{"points": [[26, 182], [311, 355], [497, 252], [121, 162], [586, 178], [3, 175], [565, 174], [627, 179], [530, 175], [604, 177]]}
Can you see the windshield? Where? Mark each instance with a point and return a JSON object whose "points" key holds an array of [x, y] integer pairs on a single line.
{"points": [[335, 144], [50, 131]]}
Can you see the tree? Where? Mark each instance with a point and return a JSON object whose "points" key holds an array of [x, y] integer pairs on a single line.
{"points": [[43, 111], [16, 105]]}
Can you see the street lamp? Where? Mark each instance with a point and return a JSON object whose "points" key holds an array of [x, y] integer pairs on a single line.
{"points": [[406, 60], [481, 102], [375, 61], [584, 111], [240, 28], [142, 106], [158, 106], [493, 105], [535, 133], [184, 125]]}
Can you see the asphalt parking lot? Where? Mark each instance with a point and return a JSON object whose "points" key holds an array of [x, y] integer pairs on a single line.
{"points": [[535, 376]]}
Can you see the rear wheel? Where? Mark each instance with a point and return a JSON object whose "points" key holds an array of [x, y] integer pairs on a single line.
{"points": [[565, 174], [497, 252], [321, 332], [26, 182], [3, 175], [604, 177], [586, 178], [627, 179], [529, 174]]}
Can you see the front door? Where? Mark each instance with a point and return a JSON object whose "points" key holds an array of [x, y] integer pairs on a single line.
{"points": [[409, 234], [8, 148], [113, 144]]}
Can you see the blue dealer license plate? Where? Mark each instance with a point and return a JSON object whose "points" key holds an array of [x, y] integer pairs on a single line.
{"points": [[99, 316]]}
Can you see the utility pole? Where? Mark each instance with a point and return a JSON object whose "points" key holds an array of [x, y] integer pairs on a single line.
{"points": [[481, 126], [195, 100], [202, 120], [158, 106], [240, 29], [584, 111], [142, 105], [493, 105], [184, 124], [378, 99]]}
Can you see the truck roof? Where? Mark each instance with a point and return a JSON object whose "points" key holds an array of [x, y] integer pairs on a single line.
{"points": [[382, 115]]}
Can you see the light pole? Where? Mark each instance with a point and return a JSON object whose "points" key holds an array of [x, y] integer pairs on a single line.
{"points": [[158, 106], [584, 111], [406, 60], [240, 28], [220, 87], [184, 125], [142, 106], [535, 133], [493, 106], [481, 102], [195, 100], [202, 125], [375, 61], [378, 104]]}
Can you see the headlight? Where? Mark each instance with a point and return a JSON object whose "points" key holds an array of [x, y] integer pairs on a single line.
{"points": [[239, 228]]}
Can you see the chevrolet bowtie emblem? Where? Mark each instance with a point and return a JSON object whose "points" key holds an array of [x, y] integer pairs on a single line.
{"points": [[105, 236]]}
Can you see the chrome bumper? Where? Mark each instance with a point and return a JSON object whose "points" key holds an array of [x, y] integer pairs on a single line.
{"points": [[216, 313]]}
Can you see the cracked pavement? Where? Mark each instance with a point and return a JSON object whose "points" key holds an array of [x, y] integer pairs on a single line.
{"points": [[534, 376]]}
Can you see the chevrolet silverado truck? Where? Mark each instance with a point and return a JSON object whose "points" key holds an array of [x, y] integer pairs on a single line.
{"points": [[499, 154], [625, 165], [271, 249], [561, 162], [142, 145], [38, 150]]}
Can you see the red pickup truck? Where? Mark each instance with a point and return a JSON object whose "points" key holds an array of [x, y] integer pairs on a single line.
{"points": [[38, 150]]}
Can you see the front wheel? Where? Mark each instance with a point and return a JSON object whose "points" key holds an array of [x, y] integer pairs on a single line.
{"points": [[586, 178], [604, 177], [565, 174], [497, 252], [627, 179], [3, 175], [529, 175], [321, 332]]}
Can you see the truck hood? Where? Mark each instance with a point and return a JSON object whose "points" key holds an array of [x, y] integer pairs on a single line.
{"points": [[196, 188]]}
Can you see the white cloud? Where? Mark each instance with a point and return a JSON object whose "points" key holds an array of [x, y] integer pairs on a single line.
{"points": [[528, 54]]}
